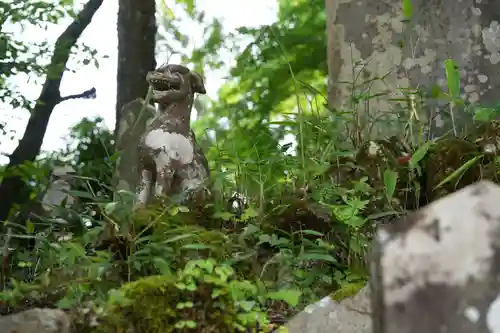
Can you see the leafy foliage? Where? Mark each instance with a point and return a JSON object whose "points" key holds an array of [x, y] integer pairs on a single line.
{"points": [[18, 58]]}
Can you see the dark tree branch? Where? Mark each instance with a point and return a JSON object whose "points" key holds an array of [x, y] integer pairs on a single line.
{"points": [[12, 188], [87, 94]]}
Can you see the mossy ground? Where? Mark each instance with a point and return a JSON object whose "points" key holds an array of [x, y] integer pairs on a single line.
{"points": [[204, 297]]}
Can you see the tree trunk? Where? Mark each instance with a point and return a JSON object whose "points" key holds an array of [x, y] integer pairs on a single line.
{"points": [[12, 187], [334, 58], [136, 50]]}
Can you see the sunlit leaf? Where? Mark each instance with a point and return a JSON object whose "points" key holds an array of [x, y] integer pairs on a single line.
{"points": [[453, 78], [390, 181], [290, 296], [407, 8], [418, 155]]}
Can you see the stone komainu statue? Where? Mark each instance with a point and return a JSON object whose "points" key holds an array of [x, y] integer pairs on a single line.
{"points": [[159, 153]]}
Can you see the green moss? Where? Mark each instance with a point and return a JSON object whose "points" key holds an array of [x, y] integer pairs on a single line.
{"points": [[200, 298], [347, 290]]}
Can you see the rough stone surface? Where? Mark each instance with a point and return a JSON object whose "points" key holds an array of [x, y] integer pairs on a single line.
{"points": [[374, 42], [58, 188], [438, 270], [351, 315], [36, 321]]}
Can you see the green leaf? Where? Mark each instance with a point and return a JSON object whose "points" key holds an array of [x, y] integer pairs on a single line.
{"points": [[390, 180], [178, 238], [116, 296], [173, 211], [30, 227], [250, 229], [420, 153], [407, 9], [197, 246], [348, 214], [290, 296], [310, 232], [110, 208], [166, 11], [65, 303], [249, 213], [183, 209], [357, 203], [485, 114], [207, 265], [226, 216], [318, 256], [162, 265], [453, 78], [356, 221], [355, 246]]}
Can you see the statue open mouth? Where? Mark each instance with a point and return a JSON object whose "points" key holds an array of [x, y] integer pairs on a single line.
{"points": [[163, 82]]}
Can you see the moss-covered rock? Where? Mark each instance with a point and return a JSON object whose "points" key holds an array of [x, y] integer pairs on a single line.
{"points": [[485, 133], [446, 158], [204, 297]]}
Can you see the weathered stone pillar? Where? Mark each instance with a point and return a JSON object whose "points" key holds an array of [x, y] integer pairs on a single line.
{"points": [[132, 126], [376, 43], [438, 270]]}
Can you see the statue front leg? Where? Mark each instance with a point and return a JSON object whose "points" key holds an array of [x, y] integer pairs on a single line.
{"points": [[145, 190], [164, 182]]}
